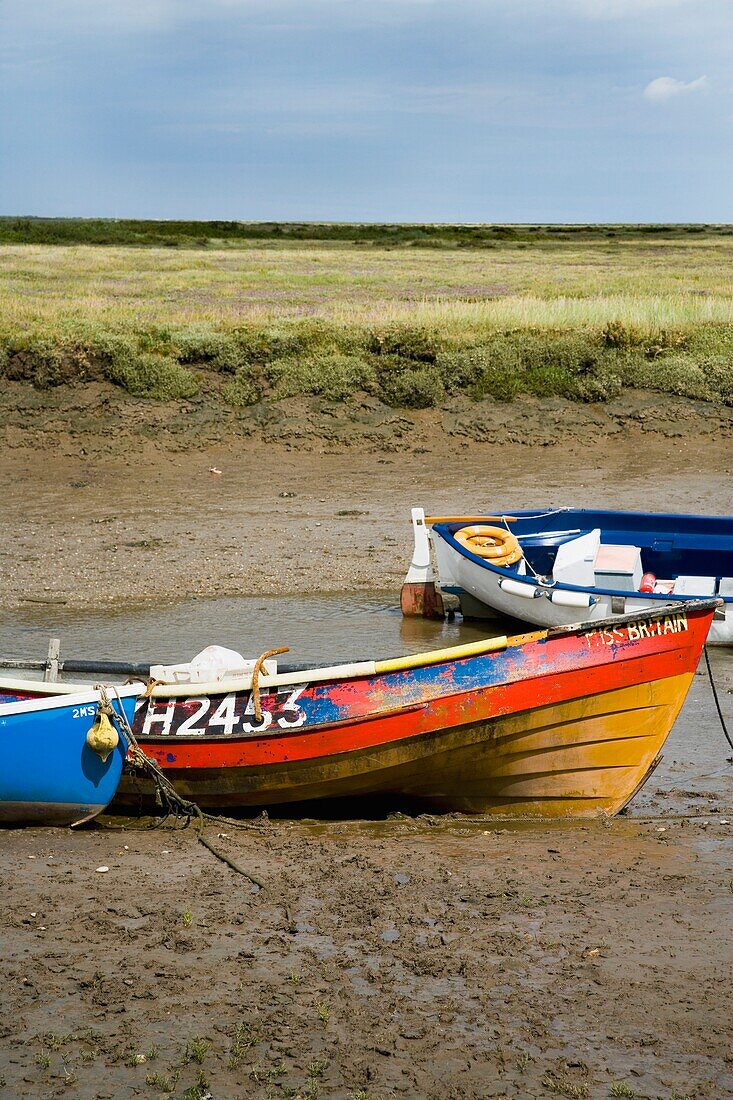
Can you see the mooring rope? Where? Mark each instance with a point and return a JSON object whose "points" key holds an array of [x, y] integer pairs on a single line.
{"points": [[537, 576], [721, 716], [256, 677], [167, 797]]}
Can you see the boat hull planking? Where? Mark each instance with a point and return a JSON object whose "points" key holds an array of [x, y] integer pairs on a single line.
{"points": [[49, 775]]}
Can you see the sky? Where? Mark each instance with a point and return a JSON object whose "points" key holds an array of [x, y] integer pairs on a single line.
{"points": [[368, 110]]}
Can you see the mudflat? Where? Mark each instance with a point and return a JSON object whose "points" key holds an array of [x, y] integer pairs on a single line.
{"points": [[417, 957], [134, 516], [425, 957]]}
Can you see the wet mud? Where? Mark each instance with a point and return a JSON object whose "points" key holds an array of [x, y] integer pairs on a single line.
{"points": [[419, 957], [443, 958], [98, 417]]}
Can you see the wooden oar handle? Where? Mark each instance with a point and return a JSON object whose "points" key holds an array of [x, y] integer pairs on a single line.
{"points": [[470, 519]]}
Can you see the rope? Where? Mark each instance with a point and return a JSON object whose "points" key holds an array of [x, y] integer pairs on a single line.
{"points": [[256, 677], [166, 795], [537, 576], [543, 515], [150, 687], [715, 697]]}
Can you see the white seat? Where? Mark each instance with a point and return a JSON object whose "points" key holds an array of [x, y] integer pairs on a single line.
{"points": [[726, 586], [574, 561]]}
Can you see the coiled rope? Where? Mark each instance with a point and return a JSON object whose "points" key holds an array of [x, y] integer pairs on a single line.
{"points": [[546, 582]]}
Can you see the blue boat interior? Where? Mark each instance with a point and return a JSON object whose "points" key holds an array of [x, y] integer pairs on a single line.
{"points": [[687, 555]]}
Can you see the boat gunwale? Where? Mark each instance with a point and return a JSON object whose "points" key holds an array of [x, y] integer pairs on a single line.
{"points": [[371, 716], [681, 605], [409, 708], [70, 699]]}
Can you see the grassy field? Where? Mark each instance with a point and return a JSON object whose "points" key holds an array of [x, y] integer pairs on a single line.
{"points": [[492, 311]]}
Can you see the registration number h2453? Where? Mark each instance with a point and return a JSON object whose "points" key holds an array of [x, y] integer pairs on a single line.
{"points": [[222, 715]]}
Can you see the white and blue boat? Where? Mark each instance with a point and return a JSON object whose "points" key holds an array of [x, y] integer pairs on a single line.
{"points": [[571, 565], [53, 769]]}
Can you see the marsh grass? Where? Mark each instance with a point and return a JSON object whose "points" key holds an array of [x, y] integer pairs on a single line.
{"points": [[562, 1086], [581, 316], [56, 1042], [162, 1083], [245, 1036], [199, 1090], [195, 1051]]}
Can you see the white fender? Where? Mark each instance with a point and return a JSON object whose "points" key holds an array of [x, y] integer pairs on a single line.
{"points": [[563, 598], [519, 588]]}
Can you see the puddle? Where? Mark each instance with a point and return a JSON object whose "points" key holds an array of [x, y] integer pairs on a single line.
{"points": [[391, 935]]}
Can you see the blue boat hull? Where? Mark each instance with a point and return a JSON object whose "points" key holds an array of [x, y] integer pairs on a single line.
{"points": [[48, 773]]}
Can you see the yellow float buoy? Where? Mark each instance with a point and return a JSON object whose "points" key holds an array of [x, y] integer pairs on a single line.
{"points": [[103, 738]]}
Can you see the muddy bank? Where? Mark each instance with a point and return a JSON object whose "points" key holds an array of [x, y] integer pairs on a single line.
{"points": [[102, 419], [121, 506], [419, 958]]}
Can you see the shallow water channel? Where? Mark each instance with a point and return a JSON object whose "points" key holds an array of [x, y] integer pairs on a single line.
{"points": [[693, 777], [316, 628]]}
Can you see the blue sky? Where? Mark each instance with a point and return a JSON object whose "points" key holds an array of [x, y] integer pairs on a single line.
{"points": [[377, 110]]}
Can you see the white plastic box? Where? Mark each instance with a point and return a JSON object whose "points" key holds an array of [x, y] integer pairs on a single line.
{"points": [[618, 567]]}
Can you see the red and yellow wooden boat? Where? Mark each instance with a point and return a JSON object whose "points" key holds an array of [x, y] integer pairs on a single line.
{"points": [[565, 722]]}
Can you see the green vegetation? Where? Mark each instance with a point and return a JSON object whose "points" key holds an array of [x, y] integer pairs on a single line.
{"points": [[245, 1037], [195, 1051], [182, 234], [412, 315], [253, 365], [199, 1090], [161, 1082], [562, 1086], [56, 1042]]}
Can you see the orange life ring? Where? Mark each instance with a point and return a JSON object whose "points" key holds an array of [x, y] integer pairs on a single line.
{"points": [[497, 545]]}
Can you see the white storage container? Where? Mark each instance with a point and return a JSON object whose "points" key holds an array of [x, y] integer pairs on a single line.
{"points": [[618, 567]]}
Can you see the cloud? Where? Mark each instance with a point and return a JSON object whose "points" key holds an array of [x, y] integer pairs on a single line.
{"points": [[666, 87]]}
